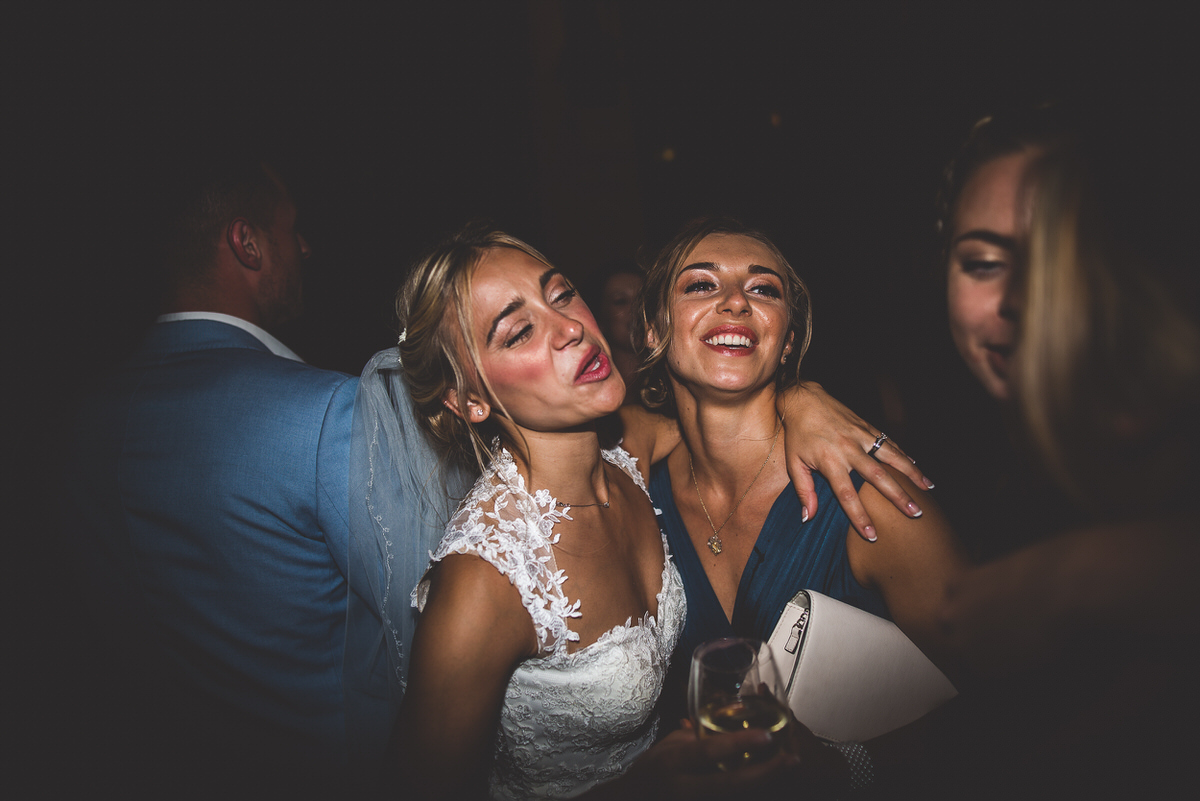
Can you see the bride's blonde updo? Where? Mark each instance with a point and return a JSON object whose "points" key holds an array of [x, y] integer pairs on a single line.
{"points": [[437, 352]]}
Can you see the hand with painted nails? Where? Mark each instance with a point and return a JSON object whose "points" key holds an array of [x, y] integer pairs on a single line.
{"points": [[823, 435]]}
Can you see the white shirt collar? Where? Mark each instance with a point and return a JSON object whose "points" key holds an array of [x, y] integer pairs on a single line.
{"points": [[272, 344]]}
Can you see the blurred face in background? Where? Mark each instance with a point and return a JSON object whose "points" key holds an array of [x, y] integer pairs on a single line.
{"points": [[984, 245], [616, 309]]}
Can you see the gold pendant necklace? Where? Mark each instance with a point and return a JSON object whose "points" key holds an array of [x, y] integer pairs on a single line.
{"points": [[714, 542]]}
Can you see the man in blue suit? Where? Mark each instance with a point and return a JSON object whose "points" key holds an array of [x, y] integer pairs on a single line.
{"points": [[208, 503]]}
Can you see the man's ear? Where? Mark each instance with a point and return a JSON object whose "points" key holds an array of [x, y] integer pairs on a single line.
{"points": [[243, 239], [478, 409]]}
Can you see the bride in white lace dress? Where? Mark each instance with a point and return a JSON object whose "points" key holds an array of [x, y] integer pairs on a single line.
{"points": [[551, 606]]}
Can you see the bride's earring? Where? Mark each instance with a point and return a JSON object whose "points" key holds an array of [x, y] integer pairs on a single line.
{"points": [[479, 411]]}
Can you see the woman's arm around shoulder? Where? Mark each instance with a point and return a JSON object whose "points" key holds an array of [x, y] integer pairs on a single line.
{"points": [[822, 434], [913, 565], [472, 634], [647, 436]]}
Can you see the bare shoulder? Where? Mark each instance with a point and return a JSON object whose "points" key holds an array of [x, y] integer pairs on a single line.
{"points": [[648, 436], [889, 519], [472, 634], [908, 551], [471, 603]]}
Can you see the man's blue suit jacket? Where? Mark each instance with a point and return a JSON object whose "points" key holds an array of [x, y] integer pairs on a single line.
{"points": [[209, 506]]}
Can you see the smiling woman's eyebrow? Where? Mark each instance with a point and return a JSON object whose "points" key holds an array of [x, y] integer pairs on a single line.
{"points": [[758, 269], [755, 269], [991, 237]]}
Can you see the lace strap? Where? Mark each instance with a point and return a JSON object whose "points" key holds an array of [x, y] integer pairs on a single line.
{"points": [[501, 523], [621, 458]]}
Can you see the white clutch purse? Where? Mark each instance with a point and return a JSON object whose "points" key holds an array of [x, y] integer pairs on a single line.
{"points": [[850, 675]]}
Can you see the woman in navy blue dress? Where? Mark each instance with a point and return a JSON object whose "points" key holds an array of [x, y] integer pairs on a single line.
{"points": [[725, 323]]}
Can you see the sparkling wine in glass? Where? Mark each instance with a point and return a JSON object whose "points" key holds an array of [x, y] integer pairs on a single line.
{"points": [[735, 685]]}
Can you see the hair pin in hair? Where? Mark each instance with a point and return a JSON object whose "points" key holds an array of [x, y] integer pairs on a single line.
{"points": [[400, 341]]}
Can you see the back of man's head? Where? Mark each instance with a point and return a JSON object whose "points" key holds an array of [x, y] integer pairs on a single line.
{"points": [[202, 196]]}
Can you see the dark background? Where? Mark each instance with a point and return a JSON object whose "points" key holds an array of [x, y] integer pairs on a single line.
{"points": [[590, 129]]}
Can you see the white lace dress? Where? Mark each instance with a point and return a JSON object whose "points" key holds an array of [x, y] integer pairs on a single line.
{"points": [[570, 721]]}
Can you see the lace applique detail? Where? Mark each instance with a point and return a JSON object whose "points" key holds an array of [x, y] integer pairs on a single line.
{"points": [[570, 721], [503, 524]]}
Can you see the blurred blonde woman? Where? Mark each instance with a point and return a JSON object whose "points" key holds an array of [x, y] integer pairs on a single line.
{"points": [[1077, 651]]}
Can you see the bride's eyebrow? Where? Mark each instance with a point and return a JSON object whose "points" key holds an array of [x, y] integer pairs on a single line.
{"points": [[512, 306], [517, 303]]}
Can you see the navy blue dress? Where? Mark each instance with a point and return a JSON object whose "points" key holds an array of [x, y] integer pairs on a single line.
{"points": [[788, 556]]}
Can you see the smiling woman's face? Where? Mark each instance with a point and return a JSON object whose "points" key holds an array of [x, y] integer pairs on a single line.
{"points": [[729, 316], [983, 246]]}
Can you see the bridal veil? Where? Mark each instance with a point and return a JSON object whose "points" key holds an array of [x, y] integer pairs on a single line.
{"points": [[401, 496]]}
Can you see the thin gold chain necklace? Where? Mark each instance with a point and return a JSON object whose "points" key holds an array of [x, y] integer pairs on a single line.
{"points": [[714, 542], [601, 504]]}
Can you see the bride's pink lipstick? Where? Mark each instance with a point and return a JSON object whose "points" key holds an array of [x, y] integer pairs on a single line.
{"points": [[594, 367], [731, 340]]}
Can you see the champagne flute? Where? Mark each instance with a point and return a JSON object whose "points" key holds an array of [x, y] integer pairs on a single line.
{"points": [[735, 685]]}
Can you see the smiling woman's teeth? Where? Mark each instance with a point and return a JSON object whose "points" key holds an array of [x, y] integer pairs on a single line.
{"points": [[729, 340]]}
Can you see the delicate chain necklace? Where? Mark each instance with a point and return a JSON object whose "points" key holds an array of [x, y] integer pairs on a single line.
{"points": [[580, 505], [603, 505], [714, 542]]}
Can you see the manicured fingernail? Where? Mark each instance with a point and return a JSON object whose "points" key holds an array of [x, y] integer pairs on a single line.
{"points": [[803, 514], [913, 509], [928, 483], [870, 532]]}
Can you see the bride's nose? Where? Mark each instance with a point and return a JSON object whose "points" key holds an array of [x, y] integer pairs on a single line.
{"points": [[567, 331]]}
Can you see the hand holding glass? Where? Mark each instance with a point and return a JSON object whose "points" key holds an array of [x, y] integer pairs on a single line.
{"points": [[735, 685]]}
